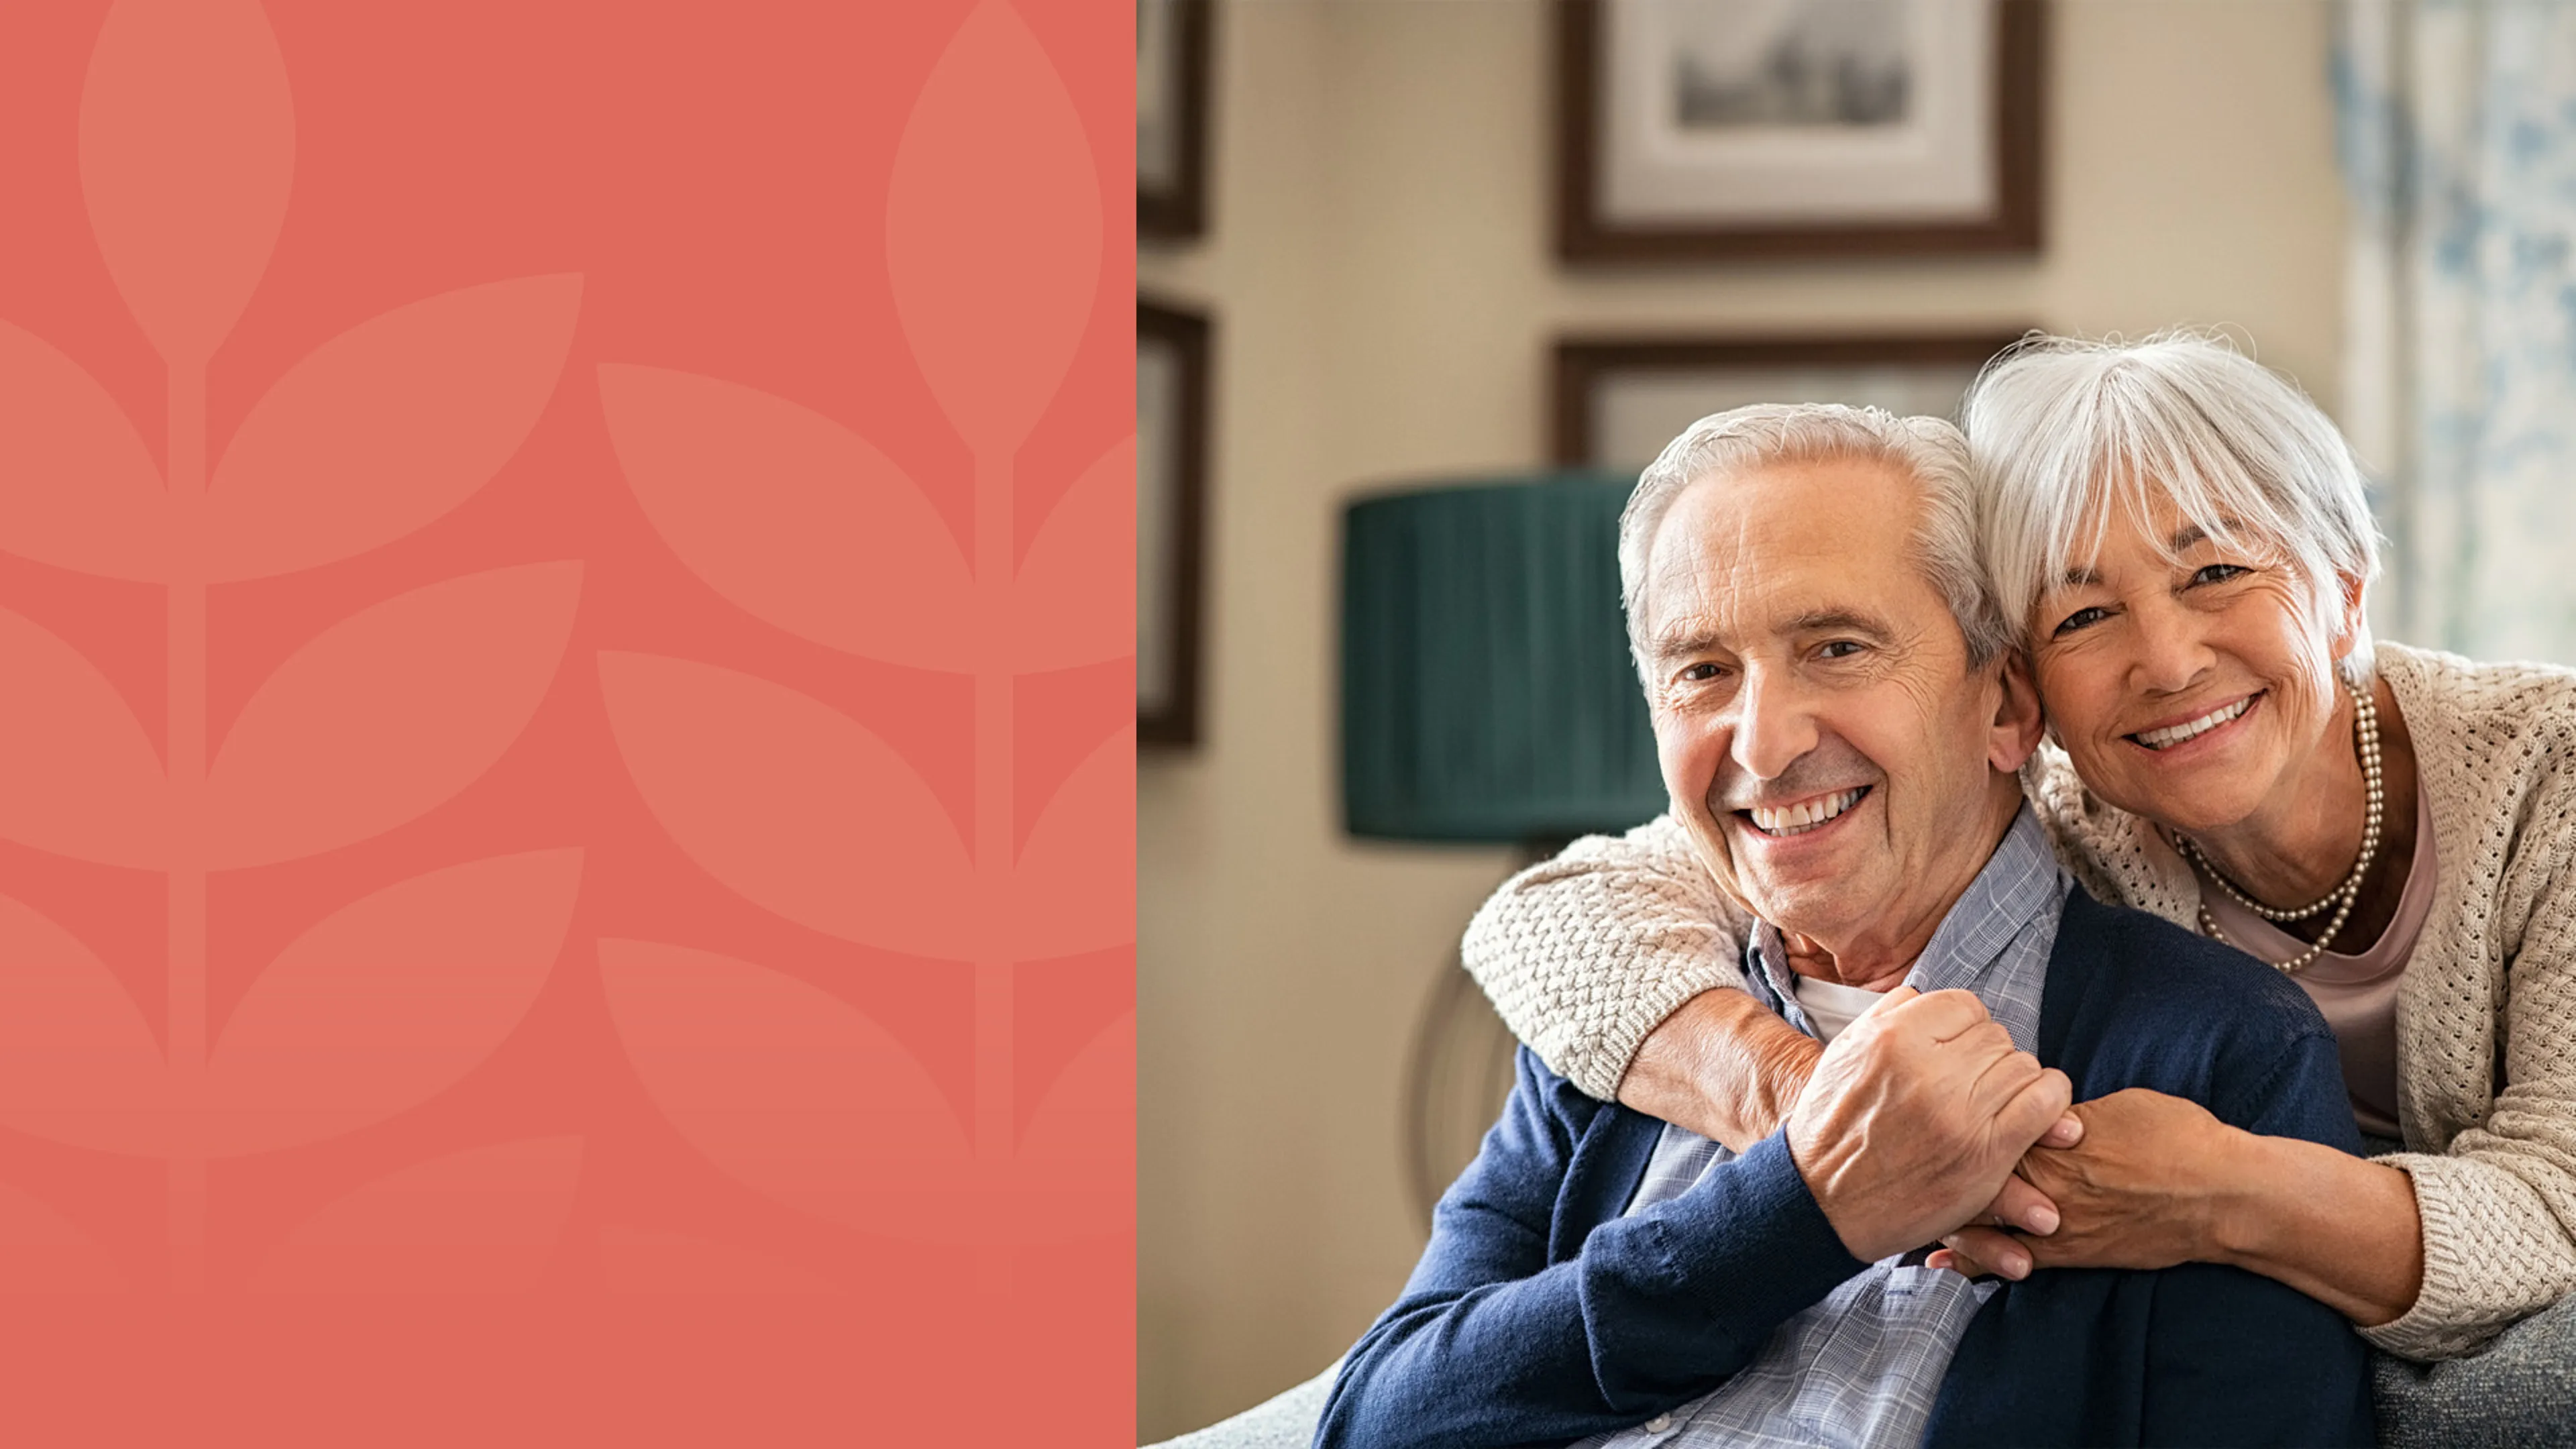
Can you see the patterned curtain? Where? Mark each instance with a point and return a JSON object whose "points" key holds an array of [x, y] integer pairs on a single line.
{"points": [[2457, 123]]}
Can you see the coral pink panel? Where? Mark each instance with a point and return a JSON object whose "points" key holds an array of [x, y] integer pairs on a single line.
{"points": [[566, 762]]}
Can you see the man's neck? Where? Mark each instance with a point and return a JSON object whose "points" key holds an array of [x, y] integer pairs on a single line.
{"points": [[1877, 956]]}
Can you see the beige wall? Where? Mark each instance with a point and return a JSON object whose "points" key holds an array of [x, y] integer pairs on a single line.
{"points": [[1384, 298]]}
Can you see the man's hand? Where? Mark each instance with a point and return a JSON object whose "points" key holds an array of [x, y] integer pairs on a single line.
{"points": [[1914, 1118]]}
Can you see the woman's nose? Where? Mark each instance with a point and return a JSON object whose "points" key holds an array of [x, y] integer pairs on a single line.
{"points": [[2172, 649]]}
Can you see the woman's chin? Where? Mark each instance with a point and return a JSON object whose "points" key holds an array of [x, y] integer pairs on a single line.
{"points": [[2194, 796]]}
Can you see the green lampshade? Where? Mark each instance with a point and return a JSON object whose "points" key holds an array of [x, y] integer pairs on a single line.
{"points": [[1487, 692]]}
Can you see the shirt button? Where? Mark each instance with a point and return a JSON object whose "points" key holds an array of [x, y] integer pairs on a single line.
{"points": [[1659, 1423]]}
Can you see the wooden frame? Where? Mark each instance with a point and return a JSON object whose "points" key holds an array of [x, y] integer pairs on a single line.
{"points": [[1584, 234], [1178, 211], [1182, 494], [1582, 365]]}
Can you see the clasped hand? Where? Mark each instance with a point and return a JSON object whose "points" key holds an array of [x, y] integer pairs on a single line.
{"points": [[1915, 1117], [2135, 1189]]}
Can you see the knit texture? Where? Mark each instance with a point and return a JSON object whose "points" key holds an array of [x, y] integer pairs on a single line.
{"points": [[1583, 955]]}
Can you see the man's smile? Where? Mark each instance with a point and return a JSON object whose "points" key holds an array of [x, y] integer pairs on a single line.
{"points": [[1799, 817]]}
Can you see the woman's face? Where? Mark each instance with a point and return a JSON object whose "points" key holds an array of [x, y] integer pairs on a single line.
{"points": [[2188, 682]]}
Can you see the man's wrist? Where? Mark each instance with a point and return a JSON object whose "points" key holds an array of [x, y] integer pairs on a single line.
{"points": [[1818, 1162]]}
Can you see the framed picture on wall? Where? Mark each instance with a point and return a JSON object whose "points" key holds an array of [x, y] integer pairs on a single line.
{"points": [[1171, 519], [1785, 128], [1618, 401], [1172, 49]]}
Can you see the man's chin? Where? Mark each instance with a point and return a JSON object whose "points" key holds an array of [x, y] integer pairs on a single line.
{"points": [[1802, 895]]}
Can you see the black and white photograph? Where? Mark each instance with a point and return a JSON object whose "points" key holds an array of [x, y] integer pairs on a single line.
{"points": [[1791, 63], [1719, 128]]}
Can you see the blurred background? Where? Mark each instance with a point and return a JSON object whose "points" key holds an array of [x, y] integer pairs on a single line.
{"points": [[1372, 270]]}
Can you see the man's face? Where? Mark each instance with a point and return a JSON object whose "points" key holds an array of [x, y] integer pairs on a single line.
{"points": [[1825, 743]]}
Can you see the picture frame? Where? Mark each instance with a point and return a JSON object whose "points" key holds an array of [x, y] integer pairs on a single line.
{"points": [[1728, 129], [1172, 357], [1615, 401], [1174, 40]]}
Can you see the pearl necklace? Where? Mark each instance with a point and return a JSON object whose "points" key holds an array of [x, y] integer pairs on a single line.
{"points": [[2365, 729]]}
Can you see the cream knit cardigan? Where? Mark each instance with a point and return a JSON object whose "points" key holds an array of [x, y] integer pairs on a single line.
{"points": [[1585, 953]]}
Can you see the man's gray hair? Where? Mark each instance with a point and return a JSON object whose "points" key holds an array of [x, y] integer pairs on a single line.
{"points": [[2076, 437], [1928, 450]]}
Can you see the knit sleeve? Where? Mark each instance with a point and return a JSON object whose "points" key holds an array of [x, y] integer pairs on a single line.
{"points": [[1584, 954], [2499, 1207]]}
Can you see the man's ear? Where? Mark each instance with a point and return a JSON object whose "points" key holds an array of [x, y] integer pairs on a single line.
{"points": [[2018, 720]]}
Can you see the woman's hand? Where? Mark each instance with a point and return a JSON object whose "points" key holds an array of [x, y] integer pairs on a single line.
{"points": [[2142, 1188]]}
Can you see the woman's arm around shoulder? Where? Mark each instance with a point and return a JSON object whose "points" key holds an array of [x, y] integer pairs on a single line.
{"points": [[2499, 1203], [1613, 962]]}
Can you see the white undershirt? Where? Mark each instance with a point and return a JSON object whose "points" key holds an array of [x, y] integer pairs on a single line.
{"points": [[1830, 1005]]}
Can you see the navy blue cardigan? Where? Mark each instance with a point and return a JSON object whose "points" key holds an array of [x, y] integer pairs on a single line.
{"points": [[1539, 1314]]}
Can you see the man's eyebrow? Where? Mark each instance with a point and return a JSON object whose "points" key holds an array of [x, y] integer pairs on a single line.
{"points": [[1682, 640], [1828, 621]]}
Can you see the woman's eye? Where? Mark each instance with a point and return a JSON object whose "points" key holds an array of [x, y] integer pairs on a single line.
{"points": [[2083, 618], [2218, 573]]}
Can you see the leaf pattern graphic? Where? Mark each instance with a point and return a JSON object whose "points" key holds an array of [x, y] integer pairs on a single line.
{"points": [[77, 776], [187, 147], [83, 493], [41, 1252], [1075, 1175], [650, 1260], [791, 516], [388, 713], [77, 1062], [387, 426], [1069, 895], [993, 229], [791, 1091], [481, 1221], [1075, 599], [388, 1001], [791, 803]]}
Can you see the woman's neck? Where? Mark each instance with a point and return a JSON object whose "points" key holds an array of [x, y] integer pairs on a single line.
{"points": [[2301, 844]]}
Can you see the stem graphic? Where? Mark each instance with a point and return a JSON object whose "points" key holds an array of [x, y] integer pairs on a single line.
{"points": [[187, 840], [993, 1024]]}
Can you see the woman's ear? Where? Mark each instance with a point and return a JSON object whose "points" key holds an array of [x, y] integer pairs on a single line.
{"points": [[2351, 618], [2019, 721]]}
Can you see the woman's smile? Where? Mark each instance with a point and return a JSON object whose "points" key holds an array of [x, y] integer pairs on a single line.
{"points": [[2205, 728]]}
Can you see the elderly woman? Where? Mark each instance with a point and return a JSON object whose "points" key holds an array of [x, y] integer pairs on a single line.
{"points": [[2183, 539]]}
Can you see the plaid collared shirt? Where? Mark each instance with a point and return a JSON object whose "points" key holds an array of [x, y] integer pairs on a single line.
{"points": [[1863, 1367]]}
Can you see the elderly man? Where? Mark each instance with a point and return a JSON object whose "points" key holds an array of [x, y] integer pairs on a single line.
{"points": [[1840, 720]]}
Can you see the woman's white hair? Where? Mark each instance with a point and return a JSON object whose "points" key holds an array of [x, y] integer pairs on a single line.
{"points": [[2075, 437], [1929, 450]]}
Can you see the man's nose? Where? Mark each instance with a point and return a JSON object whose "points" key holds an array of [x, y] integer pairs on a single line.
{"points": [[2172, 652], [1774, 725]]}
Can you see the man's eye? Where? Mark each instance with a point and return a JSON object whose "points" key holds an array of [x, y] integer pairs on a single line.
{"points": [[1840, 649], [2083, 618], [1700, 673], [2218, 573]]}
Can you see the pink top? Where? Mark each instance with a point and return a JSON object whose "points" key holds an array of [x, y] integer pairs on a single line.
{"points": [[2358, 994]]}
